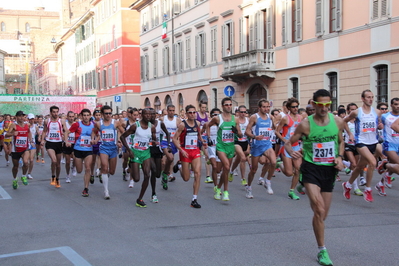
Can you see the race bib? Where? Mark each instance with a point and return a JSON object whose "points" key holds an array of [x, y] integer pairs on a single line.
{"points": [[141, 144], [227, 136], [265, 132], [368, 126], [191, 141], [85, 141], [71, 138], [107, 135], [324, 152], [21, 142], [244, 137]]}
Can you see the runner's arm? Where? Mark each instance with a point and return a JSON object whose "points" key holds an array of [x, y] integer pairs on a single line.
{"points": [[163, 127], [176, 138], [301, 130]]}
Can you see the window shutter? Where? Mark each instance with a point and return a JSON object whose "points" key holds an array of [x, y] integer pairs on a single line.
{"points": [[270, 28], [241, 36], [298, 22], [256, 30], [338, 23], [251, 33], [142, 67], [176, 7], [203, 50], [384, 8], [167, 60], [174, 57], [231, 44], [284, 22], [147, 67], [375, 9], [223, 40], [181, 56], [197, 51], [318, 18]]}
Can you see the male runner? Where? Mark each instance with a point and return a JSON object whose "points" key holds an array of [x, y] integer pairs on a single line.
{"points": [[51, 138], [202, 118], [32, 147], [68, 149], [323, 149], [186, 140], [39, 147]]}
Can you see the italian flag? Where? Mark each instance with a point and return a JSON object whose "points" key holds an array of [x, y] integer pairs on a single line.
{"points": [[164, 30]]}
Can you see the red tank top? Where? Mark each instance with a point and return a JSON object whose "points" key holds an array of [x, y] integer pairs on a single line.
{"points": [[21, 140]]}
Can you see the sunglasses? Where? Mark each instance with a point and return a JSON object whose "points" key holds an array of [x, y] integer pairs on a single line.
{"points": [[214, 115], [383, 108], [191, 112], [227, 104], [243, 112], [327, 104], [108, 113], [294, 106]]}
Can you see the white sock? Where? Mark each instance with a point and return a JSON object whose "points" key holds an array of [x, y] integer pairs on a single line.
{"points": [[355, 186], [194, 197], [346, 163], [268, 181], [348, 185], [368, 188], [105, 182], [322, 248], [261, 178]]}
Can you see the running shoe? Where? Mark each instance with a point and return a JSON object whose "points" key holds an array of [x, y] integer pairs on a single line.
{"points": [[154, 199], [164, 181], [357, 192], [124, 176], [362, 181], [323, 258], [195, 204], [176, 167], [37, 160], [268, 187], [244, 182], [92, 179], [208, 179], [231, 177], [100, 178], [380, 189], [24, 180], [52, 182], [261, 181], [131, 184], [191, 174], [74, 173], [392, 178], [15, 183], [68, 180], [217, 194], [106, 195], [225, 196], [368, 196], [171, 178], [293, 196], [7, 163], [300, 189], [140, 203], [85, 192], [57, 183], [248, 194], [338, 179], [347, 171], [235, 172], [381, 166], [63, 160], [388, 180], [42, 160], [346, 191], [30, 176]]}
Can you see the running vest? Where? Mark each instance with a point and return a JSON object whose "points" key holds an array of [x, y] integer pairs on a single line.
{"points": [[71, 136], [142, 137], [189, 136], [158, 132], [366, 127], [83, 142], [213, 134], [243, 127], [129, 139], [202, 121], [21, 140], [390, 135], [108, 134], [289, 129], [170, 125], [351, 127], [54, 131], [40, 129], [262, 127], [225, 134], [321, 147]]}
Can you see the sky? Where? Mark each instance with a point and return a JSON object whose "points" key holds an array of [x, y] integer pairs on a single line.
{"points": [[50, 5]]}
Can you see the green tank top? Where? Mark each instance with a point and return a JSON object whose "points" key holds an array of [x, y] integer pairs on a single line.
{"points": [[321, 146], [225, 134]]}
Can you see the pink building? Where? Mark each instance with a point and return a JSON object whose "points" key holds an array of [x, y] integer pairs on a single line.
{"points": [[269, 48]]}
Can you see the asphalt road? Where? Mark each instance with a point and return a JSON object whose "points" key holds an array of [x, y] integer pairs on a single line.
{"points": [[43, 225]]}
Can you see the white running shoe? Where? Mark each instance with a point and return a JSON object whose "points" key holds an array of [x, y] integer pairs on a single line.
{"points": [[154, 199], [261, 181], [249, 193], [106, 195], [63, 160], [268, 186], [98, 172], [131, 184], [7, 163], [74, 173], [235, 172], [30, 176], [68, 180], [362, 181]]}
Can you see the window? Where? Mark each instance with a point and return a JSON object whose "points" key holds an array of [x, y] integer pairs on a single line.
{"points": [[3, 26], [155, 15], [99, 80], [213, 44], [27, 27], [165, 60], [382, 83], [116, 74], [155, 62], [186, 4], [380, 9], [188, 53], [93, 75], [145, 22], [104, 78], [215, 97], [291, 14], [144, 67], [176, 7], [166, 9], [294, 87], [200, 50], [328, 16], [110, 77], [227, 39], [181, 101], [335, 15], [177, 63], [333, 88]]}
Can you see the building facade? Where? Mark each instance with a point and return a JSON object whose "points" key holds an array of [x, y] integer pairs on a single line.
{"points": [[274, 49]]}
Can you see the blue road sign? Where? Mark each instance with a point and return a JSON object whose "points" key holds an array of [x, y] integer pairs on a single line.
{"points": [[229, 91], [117, 98]]}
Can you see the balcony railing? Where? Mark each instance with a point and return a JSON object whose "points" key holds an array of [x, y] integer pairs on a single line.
{"points": [[241, 66]]}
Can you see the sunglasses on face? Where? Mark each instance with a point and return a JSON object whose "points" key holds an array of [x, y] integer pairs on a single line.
{"points": [[214, 115], [327, 104], [243, 112], [191, 112], [294, 106], [383, 109], [227, 104], [108, 113]]}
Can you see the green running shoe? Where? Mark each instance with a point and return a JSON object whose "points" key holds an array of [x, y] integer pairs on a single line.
{"points": [[323, 258], [164, 181], [358, 192], [244, 182], [225, 196], [140, 203], [208, 179], [24, 180], [91, 179], [231, 177], [293, 196], [217, 194], [392, 178], [347, 171], [15, 183], [300, 190]]}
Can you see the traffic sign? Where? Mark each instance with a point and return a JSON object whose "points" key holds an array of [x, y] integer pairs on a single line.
{"points": [[117, 98], [229, 91]]}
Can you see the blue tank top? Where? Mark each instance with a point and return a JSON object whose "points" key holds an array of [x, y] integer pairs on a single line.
{"points": [[83, 141], [263, 127], [108, 135]]}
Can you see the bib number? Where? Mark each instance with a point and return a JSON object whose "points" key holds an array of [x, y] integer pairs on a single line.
{"points": [[21, 142], [141, 144], [107, 135], [227, 136], [324, 152], [191, 141], [85, 141]]}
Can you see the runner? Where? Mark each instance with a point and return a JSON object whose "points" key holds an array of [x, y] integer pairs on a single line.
{"points": [[171, 122], [127, 120], [96, 162], [187, 140], [67, 150], [202, 118], [109, 146], [134, 114], [366, 139], [288, 124], [260, 128], [7, 140], [21, 136], [323, 150], [83, 137], [39, 147], [1, 136], [228, 127], [241, 146], [32, 147], [51, 138], [139, 153]]}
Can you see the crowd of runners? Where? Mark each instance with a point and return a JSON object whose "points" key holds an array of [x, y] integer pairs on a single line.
{"points": [[310, 145]]}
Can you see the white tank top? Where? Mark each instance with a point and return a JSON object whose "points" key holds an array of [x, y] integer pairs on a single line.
{"points": [[366, 127], [71, 136], [170, 125], [54, 131], [243, 127]]}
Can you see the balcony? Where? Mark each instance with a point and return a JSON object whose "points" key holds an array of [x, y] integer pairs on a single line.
{"points": [[255, 63]]}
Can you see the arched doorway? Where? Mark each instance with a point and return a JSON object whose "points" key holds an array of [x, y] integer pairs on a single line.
{"points": [[168, 101], [255, 93], [201, 97], [157, 104], [181, 102], [147, 103]]}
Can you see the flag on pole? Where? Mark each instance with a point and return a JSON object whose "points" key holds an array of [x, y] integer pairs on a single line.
{"points": [[164, 30]]}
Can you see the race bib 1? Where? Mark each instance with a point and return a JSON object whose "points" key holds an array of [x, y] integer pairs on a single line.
{"points": [[191, 141], [141, 144], [324, 152], [21, 142], [227, 136], [107, 135], [85, 141], [265, 132]]}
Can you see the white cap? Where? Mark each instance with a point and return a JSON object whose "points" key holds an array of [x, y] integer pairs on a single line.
{"points": [[31, 116]]}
